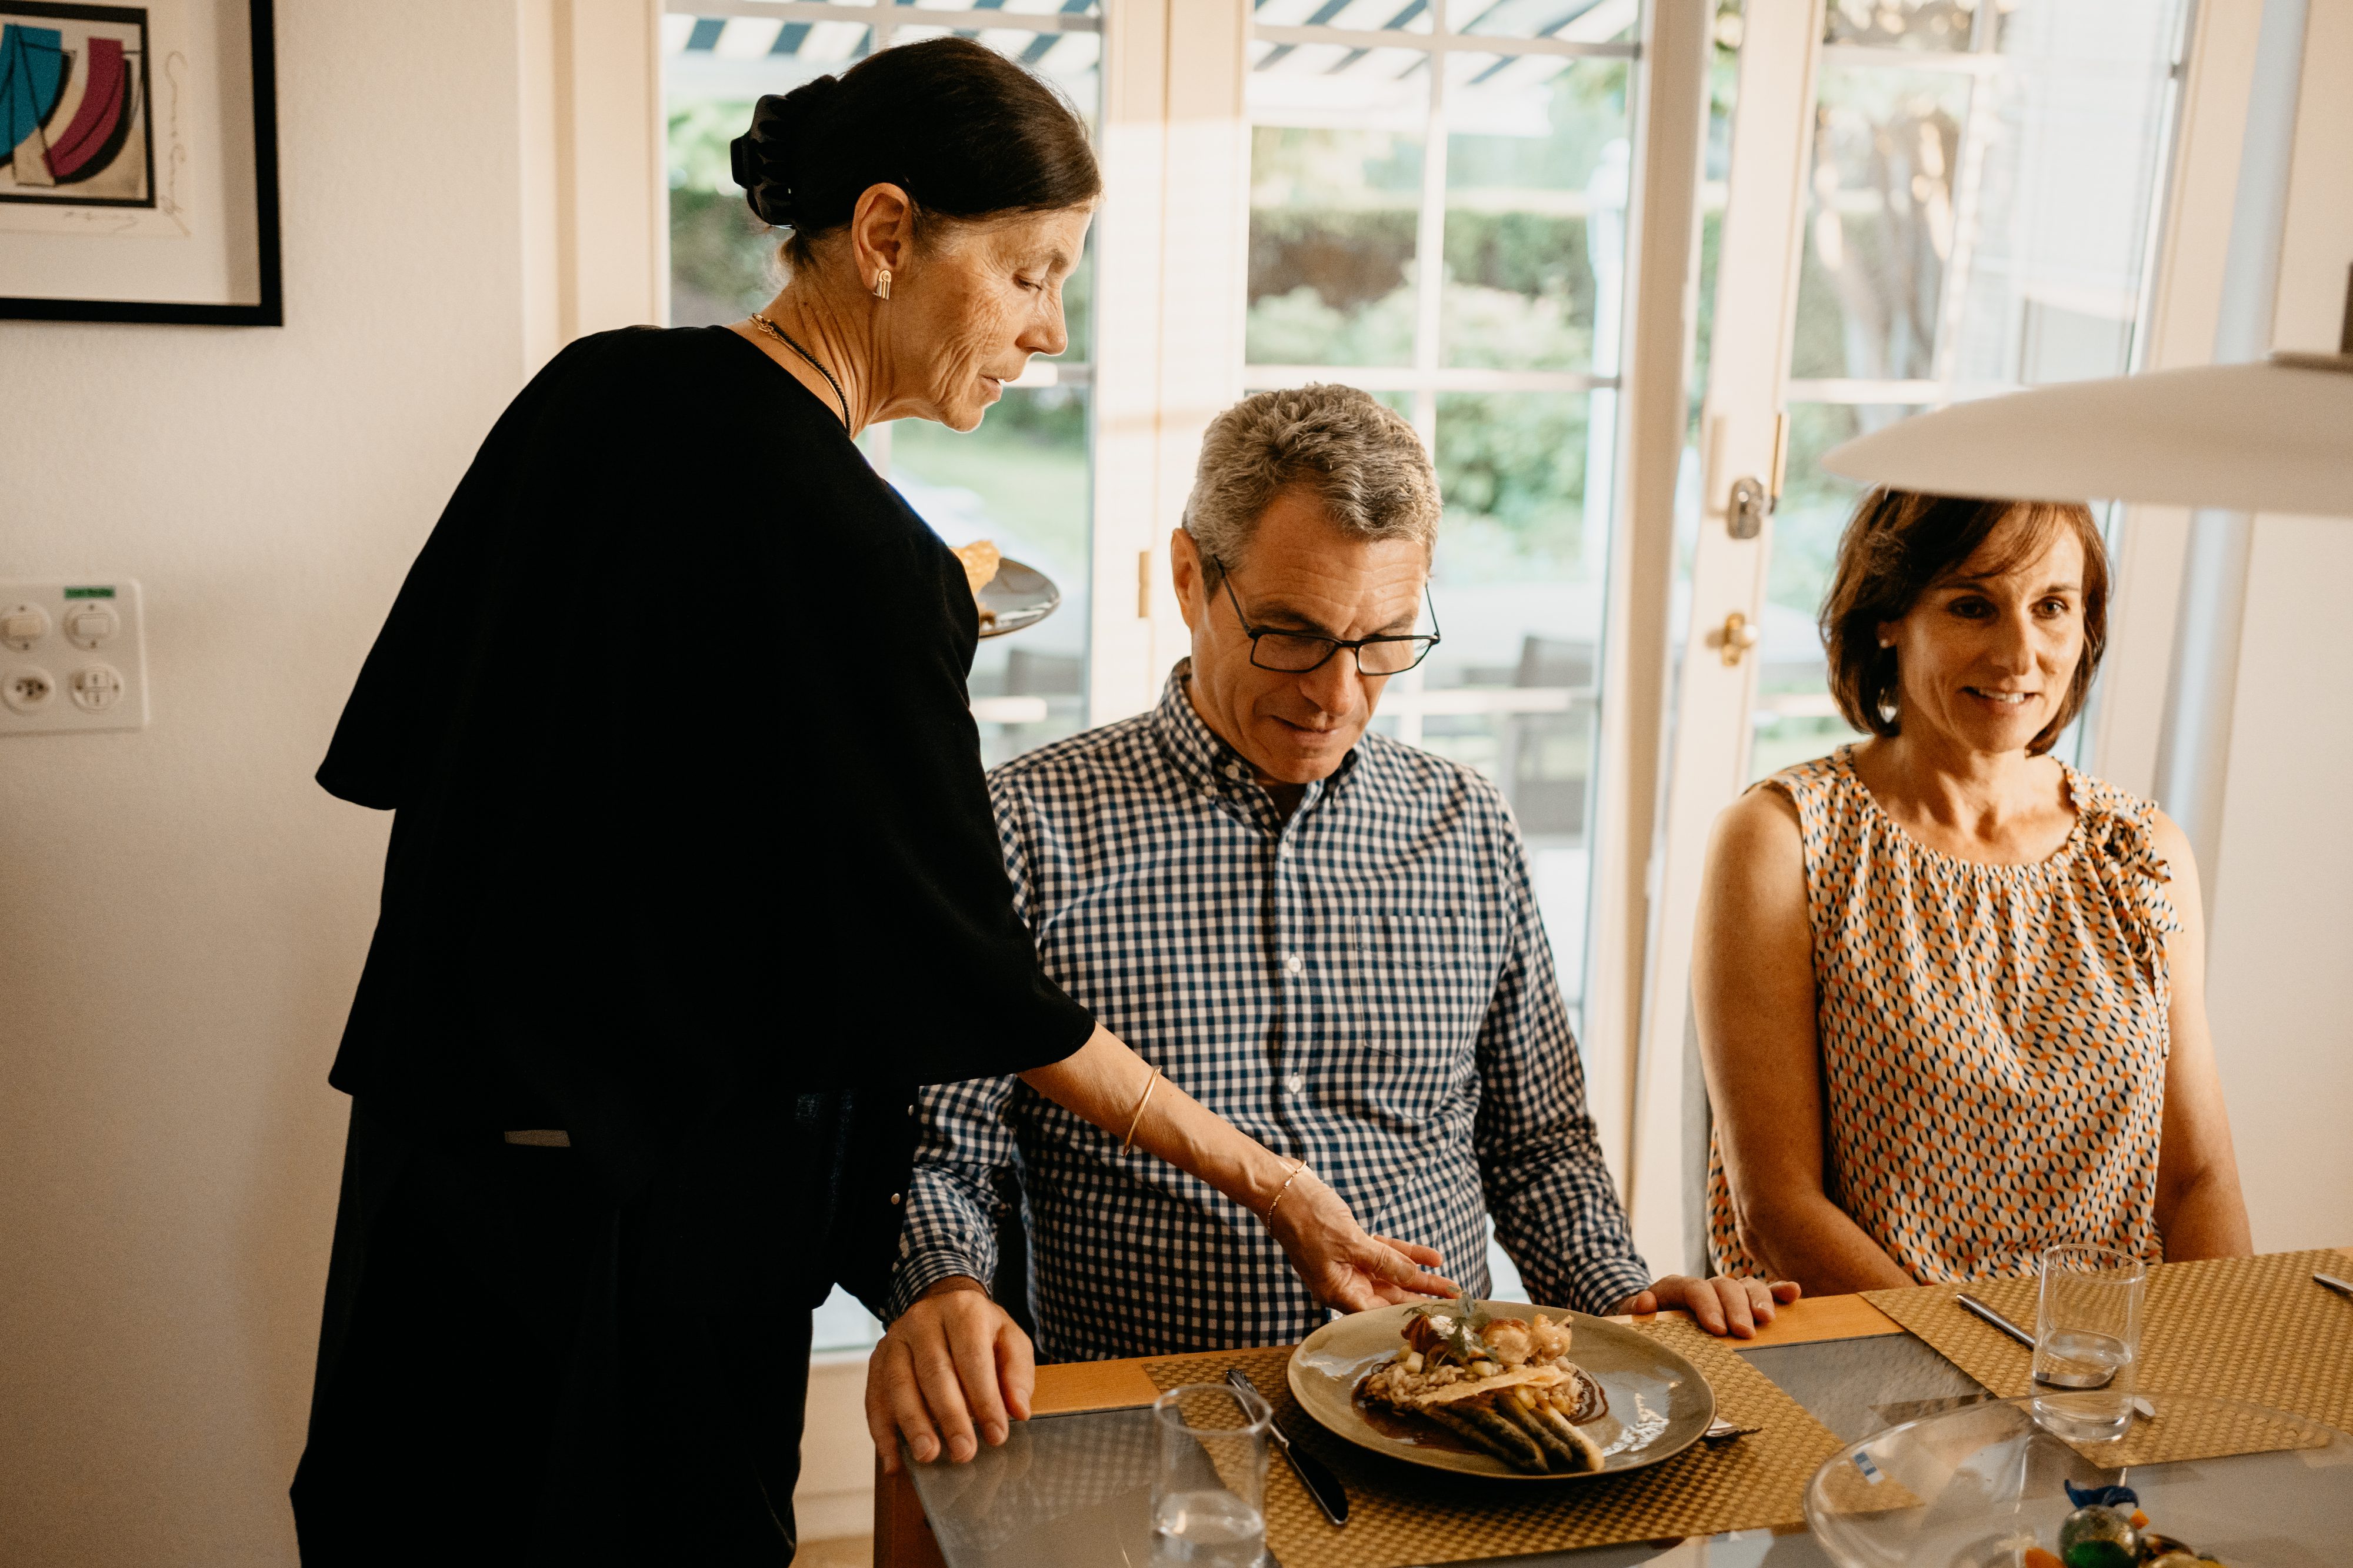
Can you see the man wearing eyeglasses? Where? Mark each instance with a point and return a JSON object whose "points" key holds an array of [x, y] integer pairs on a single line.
{"points": [[1327, 936]]}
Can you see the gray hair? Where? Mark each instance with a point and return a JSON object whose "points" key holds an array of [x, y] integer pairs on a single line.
{"points": [[1356, 454]]}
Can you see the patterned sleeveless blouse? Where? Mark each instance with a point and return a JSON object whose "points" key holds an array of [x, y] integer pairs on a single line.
{"points": [[1993, 1037]]}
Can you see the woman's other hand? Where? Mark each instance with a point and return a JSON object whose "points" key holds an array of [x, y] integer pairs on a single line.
{"points": [[1722, 1305], [1340, 1263], [954, 1370]]}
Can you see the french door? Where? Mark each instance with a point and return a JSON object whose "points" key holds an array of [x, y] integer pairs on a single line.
{"points": [[1927, 201]]}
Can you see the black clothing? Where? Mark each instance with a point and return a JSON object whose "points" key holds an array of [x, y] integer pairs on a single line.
{"points": [[515, 1369], [689, 830], [672, 711]]}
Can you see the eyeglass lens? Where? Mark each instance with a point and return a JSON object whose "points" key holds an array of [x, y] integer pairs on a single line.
{"points": [[1283, 652]]}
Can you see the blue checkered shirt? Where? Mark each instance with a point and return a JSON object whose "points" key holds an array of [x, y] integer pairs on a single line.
{"points": [[1367, 986]]}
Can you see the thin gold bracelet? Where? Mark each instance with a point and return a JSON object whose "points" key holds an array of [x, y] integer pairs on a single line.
{"points": [[1296, 1171], [1137, 1120]]}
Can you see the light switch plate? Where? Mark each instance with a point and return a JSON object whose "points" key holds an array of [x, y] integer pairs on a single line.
{"points": [[64, 665]]}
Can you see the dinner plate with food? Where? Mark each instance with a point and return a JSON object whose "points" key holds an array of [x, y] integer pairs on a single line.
{"points": [[1010, 595], [1492, 1388]]}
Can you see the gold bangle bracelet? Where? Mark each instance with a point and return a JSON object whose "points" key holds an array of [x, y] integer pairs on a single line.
{"points": [[1297, 1172], [1137, 1120]]}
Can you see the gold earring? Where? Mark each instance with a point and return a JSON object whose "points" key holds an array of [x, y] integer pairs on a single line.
{"points": [[882, 284]]}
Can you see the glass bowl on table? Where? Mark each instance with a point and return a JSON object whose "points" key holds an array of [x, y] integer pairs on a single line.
{"points": [[1985, 1485]]}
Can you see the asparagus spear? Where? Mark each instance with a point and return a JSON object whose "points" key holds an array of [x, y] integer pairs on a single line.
{"points": [[1585, 1454], [1519, 1407], [1492, 1432]]}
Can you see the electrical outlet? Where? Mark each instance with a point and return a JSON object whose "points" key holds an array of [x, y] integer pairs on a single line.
{"points": [[73, 656]]}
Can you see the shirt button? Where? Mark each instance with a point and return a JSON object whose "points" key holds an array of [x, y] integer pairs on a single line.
{"points": [[1234, 770], [1293, 964], [1295, 1082]]}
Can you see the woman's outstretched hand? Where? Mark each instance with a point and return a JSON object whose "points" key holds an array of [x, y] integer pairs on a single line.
{"points": [[1342, 1264], [1719, 1305]]}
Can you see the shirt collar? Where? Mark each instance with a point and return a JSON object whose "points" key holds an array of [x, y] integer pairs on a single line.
{"points": [[1209, 766]]}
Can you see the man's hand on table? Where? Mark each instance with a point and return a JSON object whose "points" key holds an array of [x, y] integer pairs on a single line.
{"points": [[1720, 1306], [954, 1368]]}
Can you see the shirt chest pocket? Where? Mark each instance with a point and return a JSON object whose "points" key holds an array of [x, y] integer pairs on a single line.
{"points": [[1416, 992]]}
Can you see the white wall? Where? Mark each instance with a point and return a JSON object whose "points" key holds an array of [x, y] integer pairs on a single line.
{"points": [[2281, 972], [2281, 968], [183, 912]]}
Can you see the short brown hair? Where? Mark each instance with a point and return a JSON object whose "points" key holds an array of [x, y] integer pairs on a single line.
{"points": [[1354, 453], [1897, 545]]}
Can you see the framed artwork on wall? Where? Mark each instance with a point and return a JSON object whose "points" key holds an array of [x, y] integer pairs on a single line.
{"points": [[139, 163]]}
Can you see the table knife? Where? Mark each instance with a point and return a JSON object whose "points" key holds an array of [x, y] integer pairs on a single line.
{"points": [[2342, 1286], [1970, 1304], [1320, 1483]]}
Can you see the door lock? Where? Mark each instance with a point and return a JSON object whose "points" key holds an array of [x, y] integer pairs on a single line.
{"points": [[1753, 499], [1735, 637], [1744, 517]]}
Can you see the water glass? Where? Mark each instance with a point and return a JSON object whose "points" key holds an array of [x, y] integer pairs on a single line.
{"points": [[2087, 1342], [1208, 1494]]}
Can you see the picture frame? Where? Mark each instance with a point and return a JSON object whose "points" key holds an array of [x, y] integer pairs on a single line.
{"points": [[139, 163]]}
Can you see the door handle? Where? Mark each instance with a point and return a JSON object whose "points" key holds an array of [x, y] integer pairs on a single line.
{"points": [[1735, 637]]}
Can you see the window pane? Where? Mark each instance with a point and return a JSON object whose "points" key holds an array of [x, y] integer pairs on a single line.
{"points": [[1928, 25], [1333, 216], [1511, 690], [1068, 59], [722, 260], [1331, 86], [1356, 15], [1880, 229], [2073, 150], [1575, 21], [1535, 211], [1014, 8], [1022, 481]]}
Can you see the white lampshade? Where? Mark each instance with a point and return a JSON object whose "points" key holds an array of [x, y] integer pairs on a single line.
{"points": [[2270, 437]]}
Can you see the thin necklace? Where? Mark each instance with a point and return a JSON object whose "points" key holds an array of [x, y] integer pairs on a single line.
{"points": [[788, 343]]}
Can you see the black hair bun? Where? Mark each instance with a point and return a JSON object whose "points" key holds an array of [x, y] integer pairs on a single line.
{"points": [[766, 157]]}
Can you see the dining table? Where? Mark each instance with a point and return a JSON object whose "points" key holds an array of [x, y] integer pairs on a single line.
{"points": [[1070, 1487]]}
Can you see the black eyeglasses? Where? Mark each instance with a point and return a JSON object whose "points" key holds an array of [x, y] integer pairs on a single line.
{"points": [[1296, 653]]}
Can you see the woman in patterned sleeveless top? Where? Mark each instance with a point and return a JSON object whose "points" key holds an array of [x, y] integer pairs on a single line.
{"points": [[1950, 991]]}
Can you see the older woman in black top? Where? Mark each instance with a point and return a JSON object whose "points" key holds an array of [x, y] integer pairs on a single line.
{"points": [[658, 963]]}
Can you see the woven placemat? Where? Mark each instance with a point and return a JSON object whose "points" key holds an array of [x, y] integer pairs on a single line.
{"points": [[1401, 1513], [2253, 1328]]}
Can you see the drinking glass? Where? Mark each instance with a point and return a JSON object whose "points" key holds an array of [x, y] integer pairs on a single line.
{"points": [[1208, 1494], [2087, 1342]]}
